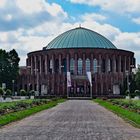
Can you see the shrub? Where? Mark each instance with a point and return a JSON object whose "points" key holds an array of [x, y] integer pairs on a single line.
{"points": [[127, 92], [23, 92], [8, 92], [1, 91], [32, 92], [24, 105], [137, 92]]}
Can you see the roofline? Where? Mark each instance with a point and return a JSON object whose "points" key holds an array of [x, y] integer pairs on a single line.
{"points": [[115, 49], [75, 29]]}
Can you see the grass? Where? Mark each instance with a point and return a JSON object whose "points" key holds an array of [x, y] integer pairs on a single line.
{"points": [[11, 117], [14, 103], [136, 102], [131, 117]]}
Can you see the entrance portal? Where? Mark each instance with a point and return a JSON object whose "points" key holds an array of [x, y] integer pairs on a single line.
{"points": [[79, 91]]}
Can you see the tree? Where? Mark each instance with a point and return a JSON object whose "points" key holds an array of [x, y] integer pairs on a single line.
{"points": [[9, 67], [137, 79]]}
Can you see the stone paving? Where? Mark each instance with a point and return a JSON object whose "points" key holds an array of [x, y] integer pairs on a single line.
{"points": [[72, 120]]}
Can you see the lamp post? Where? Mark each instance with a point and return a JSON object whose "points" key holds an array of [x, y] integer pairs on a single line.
{"points": [[13, 83]]}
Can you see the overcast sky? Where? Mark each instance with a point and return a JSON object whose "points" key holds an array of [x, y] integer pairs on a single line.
{"points": [[29, 25]]}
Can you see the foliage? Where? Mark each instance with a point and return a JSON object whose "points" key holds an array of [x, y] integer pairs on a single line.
{"points": [[137, 79], [127, 104], [8, 92], [137, 92], [129, 115], [32, 92], [132, 84], [127, 92], [23, 92], [14, 112], [1, 91], [9, 67]]}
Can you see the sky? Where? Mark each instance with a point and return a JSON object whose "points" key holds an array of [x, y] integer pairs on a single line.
{"points": [[29, 25]]}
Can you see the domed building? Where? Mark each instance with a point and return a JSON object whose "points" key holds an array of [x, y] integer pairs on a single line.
{"points": [[77, 63]]}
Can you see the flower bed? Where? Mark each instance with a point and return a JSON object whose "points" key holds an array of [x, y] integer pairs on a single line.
{"points": [[6, 108], [127, 104]]}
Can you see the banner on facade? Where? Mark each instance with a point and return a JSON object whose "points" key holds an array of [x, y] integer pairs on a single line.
{"points": [[89, 77], [68, 79]]}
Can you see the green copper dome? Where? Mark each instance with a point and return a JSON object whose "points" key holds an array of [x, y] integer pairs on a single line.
{"points": [[80, 38]]}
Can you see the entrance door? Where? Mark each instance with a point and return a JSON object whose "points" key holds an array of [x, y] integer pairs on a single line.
{"points": [[79, 91]]}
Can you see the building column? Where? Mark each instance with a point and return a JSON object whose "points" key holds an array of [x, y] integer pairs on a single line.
{"points": [[40, 64], [31, 65], [46, 65], [101, 88], [129, 64], [84, 64], [119, 64], [114, 64], [85, 90], [100, 64], [96, 85], [52, 64], [91, 63], [124, 63], [75, 87], [60, 59], [68, 64], [35, 64], [76, 65], [106, 64]]}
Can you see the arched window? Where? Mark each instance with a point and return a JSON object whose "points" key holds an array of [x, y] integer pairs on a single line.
{"points": [[95, 65], [72, 66], [87, 65], [80, 62]]}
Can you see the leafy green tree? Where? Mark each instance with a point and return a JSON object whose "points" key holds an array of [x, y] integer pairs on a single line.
{"points": [[137, 79], [9, 67]]}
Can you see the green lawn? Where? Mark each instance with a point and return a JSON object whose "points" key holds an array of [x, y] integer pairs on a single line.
{"points": [[8, 118], [8, 104], [129, 116], [136, 102]]}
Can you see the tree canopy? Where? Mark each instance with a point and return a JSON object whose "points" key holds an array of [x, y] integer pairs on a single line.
{"points": [[137, 79], [9, 67]]}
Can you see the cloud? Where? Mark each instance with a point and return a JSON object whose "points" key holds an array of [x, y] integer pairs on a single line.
{"points": [[136, 20], [128, 41], [25, 41], [28, 14], [2, 3], [93, 17], [117, 6], [31, 29]]}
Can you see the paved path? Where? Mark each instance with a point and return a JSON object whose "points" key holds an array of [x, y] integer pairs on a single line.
{"points": [[72, 120]]}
